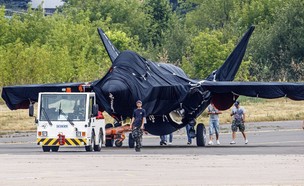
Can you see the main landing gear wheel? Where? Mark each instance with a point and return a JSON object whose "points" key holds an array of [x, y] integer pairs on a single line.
{"points": [[131, 141], [46, 148], [109, 139], [201, 135]]}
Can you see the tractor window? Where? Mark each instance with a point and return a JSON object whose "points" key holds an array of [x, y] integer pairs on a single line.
{"points": [[59, 107]]}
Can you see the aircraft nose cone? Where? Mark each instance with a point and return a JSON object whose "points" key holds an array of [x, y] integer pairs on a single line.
{"points": [[119, 97]]}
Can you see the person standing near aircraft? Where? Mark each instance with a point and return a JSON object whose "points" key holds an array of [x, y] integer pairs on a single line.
{"points": [[137, 124], [170, 138], [214, 123], [188, 127], [163, 139], [238, 121]]}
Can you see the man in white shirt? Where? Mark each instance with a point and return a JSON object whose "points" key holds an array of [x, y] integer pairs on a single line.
{"points": [[214, 123]]}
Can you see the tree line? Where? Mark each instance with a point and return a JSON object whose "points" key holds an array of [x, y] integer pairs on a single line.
{"points": [[197, 35]]}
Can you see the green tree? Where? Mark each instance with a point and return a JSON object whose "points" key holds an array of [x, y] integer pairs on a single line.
{"points": [[206, 53], [278, 47], [159, 16], [213, 15]]}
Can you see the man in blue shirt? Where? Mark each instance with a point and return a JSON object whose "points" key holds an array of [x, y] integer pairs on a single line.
{"points": [[137, 124]]}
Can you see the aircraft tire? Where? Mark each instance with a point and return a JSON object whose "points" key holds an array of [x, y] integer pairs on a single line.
{"points": [[201, 136], [46, 148], [55, 148], [131, 141]]}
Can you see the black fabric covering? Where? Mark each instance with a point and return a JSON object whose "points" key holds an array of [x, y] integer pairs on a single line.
{"points": [[110, 48], [230, 67], [161, 87], [19, 97], [269, 90], [164, 87]]}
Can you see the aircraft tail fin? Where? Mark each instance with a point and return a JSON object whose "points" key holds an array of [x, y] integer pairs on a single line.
{"points": [[230, 67], [112, 51]]}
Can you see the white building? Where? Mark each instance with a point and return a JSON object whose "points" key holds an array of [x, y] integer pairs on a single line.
{"points": [[49, 6]]}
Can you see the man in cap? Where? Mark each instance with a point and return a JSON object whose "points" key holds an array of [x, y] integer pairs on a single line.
{"points": [[137, 124], [238, 121]]}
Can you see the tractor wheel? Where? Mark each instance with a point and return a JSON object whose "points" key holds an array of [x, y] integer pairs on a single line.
{"points": [[100, 138], [109, 139], [46, 148], [90, 147], [131, 141], [55, 148]]}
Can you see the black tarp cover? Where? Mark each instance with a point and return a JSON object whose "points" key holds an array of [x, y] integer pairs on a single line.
{"points": [[19, 97], [160, 86], [269, 90]]}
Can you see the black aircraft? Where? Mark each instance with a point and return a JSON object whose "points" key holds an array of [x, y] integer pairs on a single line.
{"points": [[171, 99]]}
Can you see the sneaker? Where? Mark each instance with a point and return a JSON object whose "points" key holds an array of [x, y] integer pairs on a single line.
{"points": [[246, 141], [218, 142], [210, 143], [170, 143], [233, 142], [189, 143]]}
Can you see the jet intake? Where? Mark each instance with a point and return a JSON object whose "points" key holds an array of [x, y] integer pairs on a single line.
{"points": [[223, 101]]}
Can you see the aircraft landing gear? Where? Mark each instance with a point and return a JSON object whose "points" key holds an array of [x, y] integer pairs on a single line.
{"points": [[201, 136]]}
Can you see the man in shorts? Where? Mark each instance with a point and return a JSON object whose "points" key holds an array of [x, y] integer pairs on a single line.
{"points": [[238, 114], [214, 123]]}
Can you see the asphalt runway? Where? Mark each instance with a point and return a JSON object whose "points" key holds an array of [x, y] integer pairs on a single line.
{"points": [[273, 156]]}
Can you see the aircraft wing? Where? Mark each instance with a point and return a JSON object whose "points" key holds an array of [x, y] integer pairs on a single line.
{"points": [[225, 92], [268, 90], [19, 97]]}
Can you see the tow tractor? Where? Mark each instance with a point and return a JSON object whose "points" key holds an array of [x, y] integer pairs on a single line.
{"points": [[69, 119]]}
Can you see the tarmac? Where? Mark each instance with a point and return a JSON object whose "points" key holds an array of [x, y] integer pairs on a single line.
{"points": [[273, 156]]}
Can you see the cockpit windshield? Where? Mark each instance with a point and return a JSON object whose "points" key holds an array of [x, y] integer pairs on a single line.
{"points": [[58, 107]]}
